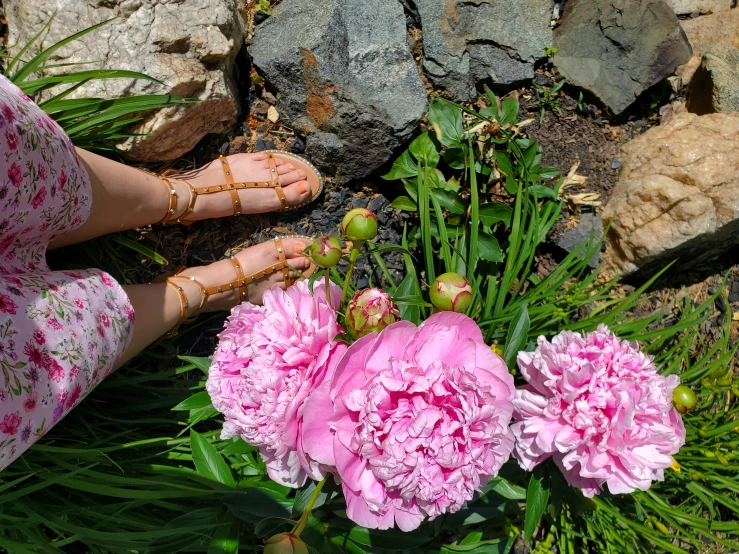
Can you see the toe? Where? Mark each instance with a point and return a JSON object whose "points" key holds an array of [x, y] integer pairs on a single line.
{"points": [[285, 169], [294, 247], [297, 193], [292, 177]]}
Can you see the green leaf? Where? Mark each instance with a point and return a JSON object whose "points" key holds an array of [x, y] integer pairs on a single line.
{"points": [[543, 192], [504, 162], [404, 203], [517, 336], [488, 248], [393, 539], [33, 86], [424, 149], [408, 288], [495, 212], [403, 166], [208, 461], [253, 504], [140, 248], [449, 200], [41, 57], [302, 497], [226, 539], [202, 364], [509, 111], [195, 402], [455, 158], [506, 489], [446, 119], [537, 498]]}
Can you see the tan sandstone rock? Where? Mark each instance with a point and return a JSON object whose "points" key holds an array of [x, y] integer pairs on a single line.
{"points": [[190, 45], [677, 196], [720, 29]]}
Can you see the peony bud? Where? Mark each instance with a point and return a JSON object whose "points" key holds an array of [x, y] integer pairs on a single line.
{"points": [[285, 543], [684, 399], [359, 224], [370, 311], [451, 293], [325, 251]]}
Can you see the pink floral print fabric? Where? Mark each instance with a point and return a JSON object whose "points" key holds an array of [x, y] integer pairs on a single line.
{"points": [[61, 332]]}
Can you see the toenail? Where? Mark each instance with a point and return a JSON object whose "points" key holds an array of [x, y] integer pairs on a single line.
{"points": [[299, 248], [301, 188], [301, 173], [291, 166]]}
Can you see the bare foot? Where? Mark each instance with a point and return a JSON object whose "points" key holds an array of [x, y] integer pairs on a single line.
{"points": [[253, 260], [247, 168]]}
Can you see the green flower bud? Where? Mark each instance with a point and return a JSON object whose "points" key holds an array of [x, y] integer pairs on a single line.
{"points": [[451, 293], [325, 251], [285, 543], [359, 224], [369, 311], [684, 399]]}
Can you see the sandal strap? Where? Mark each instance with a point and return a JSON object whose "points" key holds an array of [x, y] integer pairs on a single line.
{"points": [[171, 198], [190, 203], [184, 306], [233, 187]]}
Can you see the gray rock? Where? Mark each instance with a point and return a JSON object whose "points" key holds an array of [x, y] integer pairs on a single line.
{"points": [[190, 45], [715, 85], [467, 43], [589, 231], [619, 52], [346, 79]]}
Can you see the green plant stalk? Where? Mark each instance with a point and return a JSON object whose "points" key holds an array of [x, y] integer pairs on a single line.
{"points": [[353, 256], [327, 276], [300, 525]]}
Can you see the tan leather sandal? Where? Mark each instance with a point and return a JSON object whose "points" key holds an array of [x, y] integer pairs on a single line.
{"points": [[312, 175], [240, 283]]}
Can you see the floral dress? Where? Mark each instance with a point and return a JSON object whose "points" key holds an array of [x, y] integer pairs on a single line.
{"points": [[61, 332]]}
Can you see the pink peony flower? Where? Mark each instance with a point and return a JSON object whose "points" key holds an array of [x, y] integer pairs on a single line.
{"points": [[269, 359], [597, 405], [414, 421]]}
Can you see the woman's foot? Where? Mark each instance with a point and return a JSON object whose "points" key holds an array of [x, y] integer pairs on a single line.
{"points": [[245, 168], [252, 260]]}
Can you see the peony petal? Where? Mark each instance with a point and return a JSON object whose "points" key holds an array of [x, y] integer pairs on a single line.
{"points": [[406, 520], [358, 511], [316, 435], [352, 363], [390, 344]]}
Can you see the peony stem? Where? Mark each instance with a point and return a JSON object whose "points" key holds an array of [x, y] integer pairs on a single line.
{"points": [[300, 525], [356, 247], [328, 288]]}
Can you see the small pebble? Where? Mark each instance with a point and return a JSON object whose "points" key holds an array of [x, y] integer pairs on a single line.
{"points": [[260, 16], [616, 163], [316, 215], [269, 97], [720, 304], [377, 203], [298, 146], [261, 145], [359, 203]]}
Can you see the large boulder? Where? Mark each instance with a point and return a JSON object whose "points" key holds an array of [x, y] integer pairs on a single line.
{"points": [[715, 86], [486, 41], [346, 79], [709, 31], [189, 45], [677, 196], [688, 7], [617, 50]]}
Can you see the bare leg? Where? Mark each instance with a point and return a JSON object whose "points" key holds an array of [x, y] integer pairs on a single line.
{"points": [[124, 197], [157, 306]]}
